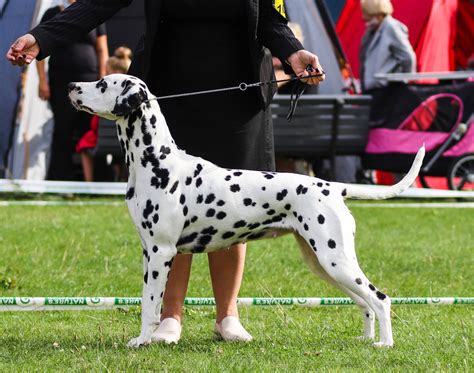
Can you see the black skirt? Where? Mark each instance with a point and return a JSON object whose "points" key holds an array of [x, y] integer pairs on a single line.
{"points": [[203, 46]]}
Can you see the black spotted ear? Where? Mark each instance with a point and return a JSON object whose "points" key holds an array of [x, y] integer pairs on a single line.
{"points": [[132, 96]]}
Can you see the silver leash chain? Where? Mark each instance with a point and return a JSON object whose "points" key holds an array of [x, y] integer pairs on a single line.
{"points": [[242, 87]]}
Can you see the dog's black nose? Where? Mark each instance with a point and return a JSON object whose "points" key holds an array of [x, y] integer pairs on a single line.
{"points": [[71, 87]]}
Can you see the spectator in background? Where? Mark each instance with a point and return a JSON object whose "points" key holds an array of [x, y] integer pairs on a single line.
{"points": [[385, 46], [119, 63], [83, 60]]}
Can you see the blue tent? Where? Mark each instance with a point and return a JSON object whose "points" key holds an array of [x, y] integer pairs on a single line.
{"points": [[15, 19]]}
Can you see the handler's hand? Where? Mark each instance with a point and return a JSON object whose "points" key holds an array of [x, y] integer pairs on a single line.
{"points": [[300, 60], [23, 51]]}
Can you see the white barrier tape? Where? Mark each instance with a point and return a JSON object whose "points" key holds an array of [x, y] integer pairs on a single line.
{"points": [[427, 205], [103, 188], [61, 203], [98, 303]]}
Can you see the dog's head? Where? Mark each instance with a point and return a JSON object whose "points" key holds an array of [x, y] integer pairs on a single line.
{"points": [[113, 97]]}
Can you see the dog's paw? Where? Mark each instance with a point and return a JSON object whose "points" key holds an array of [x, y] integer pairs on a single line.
{"points": [[383, 344], [138, 342]]}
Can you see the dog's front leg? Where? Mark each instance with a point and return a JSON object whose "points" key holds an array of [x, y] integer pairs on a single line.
{"points": [[157, 265]]}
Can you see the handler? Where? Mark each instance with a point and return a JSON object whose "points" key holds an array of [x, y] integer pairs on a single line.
{"points": [[192, 46]]}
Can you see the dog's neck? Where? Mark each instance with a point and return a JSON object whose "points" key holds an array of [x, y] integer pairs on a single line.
{"points": [[144, 136]]}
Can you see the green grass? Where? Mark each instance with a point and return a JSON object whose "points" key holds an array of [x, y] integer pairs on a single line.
{"points": [[94, 251]]}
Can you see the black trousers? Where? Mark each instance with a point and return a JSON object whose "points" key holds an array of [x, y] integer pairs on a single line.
{"points": [[69, 126]]}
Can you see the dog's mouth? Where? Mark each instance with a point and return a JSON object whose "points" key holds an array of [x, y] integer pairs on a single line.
{"points": [[79, 106]]}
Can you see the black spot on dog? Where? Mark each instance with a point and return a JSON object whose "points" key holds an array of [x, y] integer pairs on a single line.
{"points": [[185, 210], [299, 189], [210, 213], [193, 219], [155, 218], [332, 244], [155, 249], [235, 188], [198, 182], [182, 199], [321, 219], [371, 287], [198, 170], [130, 193], [198, 249], [266, 205], [189, 180], [199, 199], [319, 184], [344, 193], [186, 224], [228, 177], [300, 219], [282, 195], [174, 187], [333, 264], [256, 236], [264, 188], [210, 198], [305, 226], [287, 206], [269, 176], [380, 295], [227, 235], [277, 219], [325, 192], [187, 239], [209, 230], [271, 212], [237, 173], [313, 244], [137, 143], [155, 275], [248, 201], [240, 224], [221, 215], [254, 226], [148, 209], [358, 281], [220, 203], [145, 278], [204, 240], [168, 264], [102, 84]]}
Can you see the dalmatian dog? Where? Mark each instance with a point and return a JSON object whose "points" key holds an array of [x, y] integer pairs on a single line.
{"points": [[185, 204]]}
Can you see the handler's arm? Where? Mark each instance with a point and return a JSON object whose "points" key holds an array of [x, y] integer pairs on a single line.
{"points": [[75, 21]]}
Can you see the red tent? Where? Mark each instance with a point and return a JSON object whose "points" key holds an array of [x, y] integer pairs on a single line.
{"points": [[441, 31]]}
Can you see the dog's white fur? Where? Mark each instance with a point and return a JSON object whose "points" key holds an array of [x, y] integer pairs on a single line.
{"points": [[185, 204]]}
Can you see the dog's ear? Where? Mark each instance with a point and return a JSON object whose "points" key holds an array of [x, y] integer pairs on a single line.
{"points": [[132, 96]]}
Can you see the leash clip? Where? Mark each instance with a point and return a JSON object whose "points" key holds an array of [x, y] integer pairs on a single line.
{"points": [[243, 86]]}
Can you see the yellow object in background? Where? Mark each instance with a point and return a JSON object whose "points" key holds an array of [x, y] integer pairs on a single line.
{"points": [[279, 5]]}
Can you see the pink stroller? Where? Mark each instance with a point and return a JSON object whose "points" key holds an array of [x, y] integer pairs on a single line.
{"points": [[449, 143]]}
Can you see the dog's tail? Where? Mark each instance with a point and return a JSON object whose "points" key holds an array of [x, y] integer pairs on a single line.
{"points": [[371, 192]]}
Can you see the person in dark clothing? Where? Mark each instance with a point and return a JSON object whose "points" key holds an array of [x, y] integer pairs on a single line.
{"points": [[81, 60], [193, 46]]}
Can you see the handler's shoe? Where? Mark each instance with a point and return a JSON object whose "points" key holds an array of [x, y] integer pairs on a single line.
{"points": [[169, 331], [230, 329]]}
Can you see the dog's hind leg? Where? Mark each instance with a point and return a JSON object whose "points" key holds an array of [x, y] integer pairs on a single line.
{"points": [[311, 259], [157, 260], [335, 245]]}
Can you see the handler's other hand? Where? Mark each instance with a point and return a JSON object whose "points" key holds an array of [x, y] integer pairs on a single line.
{"points": [[300, 60], [23, 51]]}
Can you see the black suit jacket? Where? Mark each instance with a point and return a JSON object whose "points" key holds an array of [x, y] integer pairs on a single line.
{"points": [[266, 29]]}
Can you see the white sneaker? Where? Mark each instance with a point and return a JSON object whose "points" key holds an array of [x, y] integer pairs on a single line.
{"points": [[169, 331], [230, 329]]}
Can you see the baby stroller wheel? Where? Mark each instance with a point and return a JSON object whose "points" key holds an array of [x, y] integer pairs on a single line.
{"points": [[423, 181], [461, 173]]}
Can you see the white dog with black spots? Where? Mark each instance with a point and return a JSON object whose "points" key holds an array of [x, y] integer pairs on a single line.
{"points": [[185, 204]]}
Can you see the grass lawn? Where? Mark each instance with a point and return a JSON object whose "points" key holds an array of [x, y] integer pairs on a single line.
{"points": [[94, 251]]}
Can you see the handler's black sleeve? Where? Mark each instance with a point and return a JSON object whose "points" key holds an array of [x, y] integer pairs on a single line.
{"points": [[273, 32], [74, 22]]}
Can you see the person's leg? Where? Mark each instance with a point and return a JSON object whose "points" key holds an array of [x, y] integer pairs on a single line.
{"points": [[227, 268], [176, 287], [226, 283], [87, 161]]}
